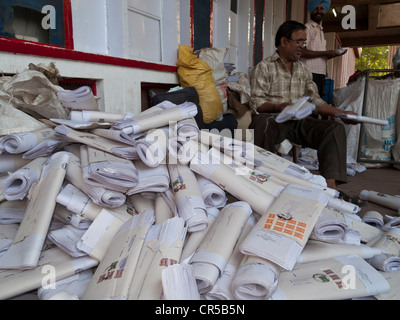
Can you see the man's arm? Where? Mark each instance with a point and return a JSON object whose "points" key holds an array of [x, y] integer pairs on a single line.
{"points": [[329, 54]]}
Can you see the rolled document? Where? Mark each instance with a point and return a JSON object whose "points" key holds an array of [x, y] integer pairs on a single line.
{"points": [[180, 137], [212, 194], [99, 195], [152, 149], [194, 239], [43, 149], [95, 116], [388, 201], [222, 290], [22, 142], [169, 251], [66, 239], [343, 206], [390, 242], [207, 166], [213, 254], [179, 283], [150, 179], [331, 227], [385, 262], [25, 251], [363, 119], [149, 249], [15, 282], [281, 234], [66, 217], [162, 210], [298, 110], [113, 276], [156, 118], [255, 279], [103, 169], [331, 279], [117, 148], [97, 238], [189, 201], [78, 99], [18, 184], [317, 250], [374, 219], [120, 136]]}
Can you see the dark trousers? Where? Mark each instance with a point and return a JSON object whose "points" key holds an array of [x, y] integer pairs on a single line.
{"points": [[319, 80], [326, 136]]}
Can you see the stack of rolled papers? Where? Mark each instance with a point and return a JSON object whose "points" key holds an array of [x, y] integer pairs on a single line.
{"points": [[113, 277], [389, 259], [331, 227], [26, 248], [152, 149], [298, 110], [222, 290], [117, 148], [255, 279], [99, 195], [16, 282], [79, 99], [150, 179], [213, 254], [213, 169], [189, 201], [103, 169], [344, 277], [212, 194], [179, 283], [157, 117], [281, 234], [18, 184], [168, 252], [374, 219], [23, 142], [386, 200]]}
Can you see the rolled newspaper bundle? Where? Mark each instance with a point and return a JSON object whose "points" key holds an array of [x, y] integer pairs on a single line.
{"points": [[22, 142], [281, 234], [212, 194], [25, 251], [373, 218], [94, 116], [103, 169], [189, 201], [255, 279], [388, 201], [213, 254], [179, 283], [152, 148], [339, 278], [113, 277], [66, 238], [78, 99], [385, 262], [213, 169], [18, 184], [43, 149]]}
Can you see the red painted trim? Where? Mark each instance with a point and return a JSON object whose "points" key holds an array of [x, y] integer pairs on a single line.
{"points": [[44, 50], [211, 22], [191, 23], [69, 33]]}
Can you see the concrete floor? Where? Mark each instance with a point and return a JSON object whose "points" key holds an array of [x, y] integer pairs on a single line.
{"points": [[382, 180]]}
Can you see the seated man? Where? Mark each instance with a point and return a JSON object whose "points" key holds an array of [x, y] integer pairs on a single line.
{"points": [[278, 81]]}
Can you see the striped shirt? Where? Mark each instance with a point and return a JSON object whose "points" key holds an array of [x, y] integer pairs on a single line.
{"points": [[272, 82], [316, 42]]}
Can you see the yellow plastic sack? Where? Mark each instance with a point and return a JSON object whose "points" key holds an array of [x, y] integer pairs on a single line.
{"points": [[194, 72]]}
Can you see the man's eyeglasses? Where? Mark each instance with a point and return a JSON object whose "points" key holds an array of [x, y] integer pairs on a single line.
{"points": [[302, 43]]}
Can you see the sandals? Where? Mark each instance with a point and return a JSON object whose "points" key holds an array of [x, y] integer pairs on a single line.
{"points": [[355, 200]]}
